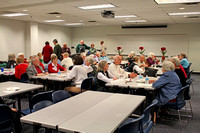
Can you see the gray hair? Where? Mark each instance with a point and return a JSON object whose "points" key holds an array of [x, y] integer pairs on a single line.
{"points": [[33, 58], [132, 54], [89, 59], [168, 66], [20, 54], [176, 61], [151, 54], [11, 57]]}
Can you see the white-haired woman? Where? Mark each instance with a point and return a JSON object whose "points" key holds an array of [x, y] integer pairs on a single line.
{"points": [[168, 85], [89, 61], [130, 57], [151, 59]]}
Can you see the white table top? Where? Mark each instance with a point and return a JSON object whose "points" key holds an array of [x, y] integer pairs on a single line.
{"points": [[54, 77], [135, 83], [105, 116], [23, 87], [91, 112]]}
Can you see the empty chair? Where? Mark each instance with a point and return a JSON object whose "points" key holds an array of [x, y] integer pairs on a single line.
{"points": [[42, 105], [60, 95], [37, 98], [6, 125], [87, 84], [147, 122], [131, 126], [189, 74]]}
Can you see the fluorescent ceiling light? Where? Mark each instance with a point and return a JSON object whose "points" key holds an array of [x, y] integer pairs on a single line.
{"points": [[175, 1], [72, 24], [53, 21], [97, 6], [126, 16], [135, 21], [14, 14], [184, 13]]}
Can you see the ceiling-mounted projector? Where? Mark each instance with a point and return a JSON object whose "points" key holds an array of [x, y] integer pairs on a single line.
{"points": [[107, 14]]}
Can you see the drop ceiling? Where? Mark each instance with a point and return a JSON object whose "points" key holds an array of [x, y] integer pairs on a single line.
{"points": [[144, 10]]}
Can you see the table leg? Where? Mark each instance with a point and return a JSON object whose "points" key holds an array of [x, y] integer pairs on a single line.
{"points": [[19, 102]]}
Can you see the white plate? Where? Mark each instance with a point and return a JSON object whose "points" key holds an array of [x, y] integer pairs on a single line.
{"points": [[11, 89], [140, 80]]}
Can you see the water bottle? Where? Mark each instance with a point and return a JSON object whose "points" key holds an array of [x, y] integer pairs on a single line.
{"points": [[140, 76], [11, 66], [146, 80], [59, 72]]}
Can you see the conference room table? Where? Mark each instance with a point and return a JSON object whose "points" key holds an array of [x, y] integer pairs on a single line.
{"points": [[88, 112], [10, 88], [8, 71]]}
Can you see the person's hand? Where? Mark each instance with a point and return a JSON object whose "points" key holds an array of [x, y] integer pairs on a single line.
{"points": [[115, 78], [13, 109], [132, 75], [46, 73], [151, 81]]}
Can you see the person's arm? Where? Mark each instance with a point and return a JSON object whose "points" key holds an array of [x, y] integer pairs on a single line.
{"points": [[163, 80], [102, 77], [61, 68], [69, 52], [110, 75], [77, 48], [138, 69], [16, 73], [89, 69], [29, 72], [87, 47]]}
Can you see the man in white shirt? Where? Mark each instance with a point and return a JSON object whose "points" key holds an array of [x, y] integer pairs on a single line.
{"points": [[116, 71], [103, 47], [141, 62]]}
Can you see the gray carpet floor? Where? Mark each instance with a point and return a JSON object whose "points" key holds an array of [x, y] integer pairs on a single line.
{"points": [[165, 125]]}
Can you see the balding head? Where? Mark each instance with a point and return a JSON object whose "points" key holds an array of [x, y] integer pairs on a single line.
{"points": [[117, 59], [65, 45], [81, 42], [142, 58]]}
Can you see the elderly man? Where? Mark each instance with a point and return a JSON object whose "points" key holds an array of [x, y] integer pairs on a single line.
{"points": [[141, 62], [57, 49], [35, 69], [116, 71], [66, 49], [80, 48]]}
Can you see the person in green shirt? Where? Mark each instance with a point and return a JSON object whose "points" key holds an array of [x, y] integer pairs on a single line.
{"points": [[57, 49], [80, 48], [92, 49]]}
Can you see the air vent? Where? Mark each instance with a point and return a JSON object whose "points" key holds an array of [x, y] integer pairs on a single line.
{"points": [[144, 26], [54, 13], [92, 21]]}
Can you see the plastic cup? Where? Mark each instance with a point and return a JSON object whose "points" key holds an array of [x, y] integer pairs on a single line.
{"points": [[2, 69]]}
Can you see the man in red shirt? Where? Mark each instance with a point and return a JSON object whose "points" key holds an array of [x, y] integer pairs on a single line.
{"points": [[46, 52], [35, 69]]}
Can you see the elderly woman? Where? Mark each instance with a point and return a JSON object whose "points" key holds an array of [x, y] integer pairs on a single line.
{"points": [[78, 73], [102, 76], [184, 62], [130, 57], [67, 61], [103, 56], [20, 68], [11, 61], [89, 61], [54, 67], [133, 67], [151, 59], [168, 85]]}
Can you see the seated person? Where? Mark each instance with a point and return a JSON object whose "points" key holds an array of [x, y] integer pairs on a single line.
{"points": [[141, 61], [54, 67], [103, 56], [97, 55], [151, 59], [11, 61], [103, 76], [116, 71], [130, 57], [67, 61], [22, 55], [92, 50], [35, 69], [168, 85], [15, 118], [40, 57], [133, 67], [89, 61], [184, 62], [78, 73], [20, 68], [46, 66]]}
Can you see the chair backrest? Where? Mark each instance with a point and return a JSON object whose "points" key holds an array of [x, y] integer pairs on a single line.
{"points": [[24, 78], [42, 105], [87, 84], [5, 119], [147, 112], [40, 97], [60, 95], [180, 100], [150, 72], [132, 126], [189, 74]]}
